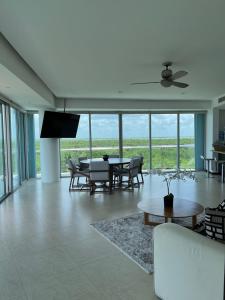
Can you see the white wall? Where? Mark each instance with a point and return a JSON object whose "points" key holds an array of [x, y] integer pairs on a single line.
{"points": [[15, 64], [131, 104], [212, 131]]}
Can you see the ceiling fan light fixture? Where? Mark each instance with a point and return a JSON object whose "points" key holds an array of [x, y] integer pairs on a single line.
{"points": [[165, 83]]}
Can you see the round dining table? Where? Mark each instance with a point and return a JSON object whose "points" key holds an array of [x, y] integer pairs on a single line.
{"points": [[112, 163]]}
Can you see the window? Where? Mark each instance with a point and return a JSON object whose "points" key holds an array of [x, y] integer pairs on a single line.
{"points": [[164, 141], [187, 141], [37, 145], [166, 146], [136, 136], [105, 134], [2, 163], [14, 147]]}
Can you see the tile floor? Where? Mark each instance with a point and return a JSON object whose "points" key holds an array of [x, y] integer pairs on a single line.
{"points": [[49, 251]]}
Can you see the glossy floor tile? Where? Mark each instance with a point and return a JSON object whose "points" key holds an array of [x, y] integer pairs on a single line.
{"points": [[50, 251]]}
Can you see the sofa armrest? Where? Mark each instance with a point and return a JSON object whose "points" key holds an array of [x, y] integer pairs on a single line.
{"points": [[187, 265]]}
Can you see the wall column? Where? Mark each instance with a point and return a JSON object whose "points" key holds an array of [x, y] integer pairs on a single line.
{"points": [[212, 130], [49, 155]]}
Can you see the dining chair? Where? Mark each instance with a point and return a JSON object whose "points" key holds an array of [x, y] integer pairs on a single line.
{"points": [[76, 173], [82, 166], [130, 172], [140, 167], [99, 173], [115, 167], [220, 165]]}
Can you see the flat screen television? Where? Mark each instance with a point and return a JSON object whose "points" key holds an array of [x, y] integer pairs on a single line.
{"points": [[59, 125]]}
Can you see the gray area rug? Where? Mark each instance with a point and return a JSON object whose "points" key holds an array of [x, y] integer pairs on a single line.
{"points": [[133, 238]]}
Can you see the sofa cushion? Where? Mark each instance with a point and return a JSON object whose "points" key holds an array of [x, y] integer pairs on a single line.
{"points": [[215, 224], [221, 206]]}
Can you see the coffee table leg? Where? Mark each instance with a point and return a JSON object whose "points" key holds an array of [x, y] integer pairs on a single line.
{"points": [[146, 219], [110, 178], [194, 221]]}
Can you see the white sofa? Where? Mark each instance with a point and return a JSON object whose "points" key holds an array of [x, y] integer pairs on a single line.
{"points": [[187, 265]]}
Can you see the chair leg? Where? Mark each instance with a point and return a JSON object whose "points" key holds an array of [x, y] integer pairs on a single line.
{"points": [[114, 181], [222, 173], [208, 167], [142, 178], [71, 179], [138, 182], [132, 183], [92, 187]]}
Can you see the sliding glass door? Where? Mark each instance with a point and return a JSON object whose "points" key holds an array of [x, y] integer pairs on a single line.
{"points": [[105, 134], [187, 141], [164, 141], [136, 136], [37, 145], [2, 160], [14, 148]]}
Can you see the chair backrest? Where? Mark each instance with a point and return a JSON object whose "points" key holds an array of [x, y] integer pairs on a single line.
{"points": [[141, 158], [99, 170], [72, 165], [134, 166], [202, 157], [82, 166]]}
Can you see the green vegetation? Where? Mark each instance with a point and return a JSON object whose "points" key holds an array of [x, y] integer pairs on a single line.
{"points": [[162, 157]]}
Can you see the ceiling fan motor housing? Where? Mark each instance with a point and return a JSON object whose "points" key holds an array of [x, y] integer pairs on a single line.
{"points": [[166, 74]]}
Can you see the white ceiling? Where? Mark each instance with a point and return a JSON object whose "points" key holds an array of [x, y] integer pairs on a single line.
{"points": [[83, 48], [17, 91]]}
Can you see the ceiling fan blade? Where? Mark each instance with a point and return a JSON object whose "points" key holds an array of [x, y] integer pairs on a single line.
{"points": [[179, 84], [134, 83], [178, 74]]}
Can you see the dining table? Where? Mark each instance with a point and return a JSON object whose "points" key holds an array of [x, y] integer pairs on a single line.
{"points": [[113, 162]]}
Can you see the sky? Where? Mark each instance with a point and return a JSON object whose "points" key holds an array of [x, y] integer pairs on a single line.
{"points": [[134, 126]]}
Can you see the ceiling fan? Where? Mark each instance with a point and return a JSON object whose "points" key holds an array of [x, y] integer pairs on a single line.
{"points": [[168, 78]]}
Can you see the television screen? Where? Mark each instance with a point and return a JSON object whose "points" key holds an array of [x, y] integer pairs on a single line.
{"points": [[59, 125]]}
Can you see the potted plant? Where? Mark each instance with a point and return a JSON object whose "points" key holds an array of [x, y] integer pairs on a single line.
{"points": [[105, 157], [168, 177]]}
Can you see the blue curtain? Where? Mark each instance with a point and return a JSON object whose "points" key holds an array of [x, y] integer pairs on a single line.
{"points": [[21, 140], [31, 146], [199, 140]]}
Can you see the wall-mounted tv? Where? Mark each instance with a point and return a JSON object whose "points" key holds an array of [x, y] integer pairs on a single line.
{"points": [[59, 125]]}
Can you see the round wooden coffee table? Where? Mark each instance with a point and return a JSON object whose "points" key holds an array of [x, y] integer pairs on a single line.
{"points": [[181, 209]]}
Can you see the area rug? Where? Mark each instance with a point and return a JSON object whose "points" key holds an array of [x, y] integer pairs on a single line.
{"points": [[133, 238]]}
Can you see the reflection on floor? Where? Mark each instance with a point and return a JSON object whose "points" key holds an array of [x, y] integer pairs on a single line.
{"points": [[49, 251]]}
